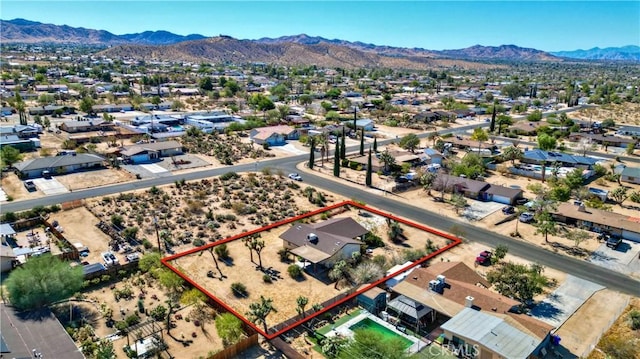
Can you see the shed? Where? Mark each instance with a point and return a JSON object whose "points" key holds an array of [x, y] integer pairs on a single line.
{"points": [[374, 300], [400, 277], [6, 231]]}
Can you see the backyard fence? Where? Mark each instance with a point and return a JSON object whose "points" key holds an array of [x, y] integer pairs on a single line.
{"points": [[234, 350], [604, 329]]}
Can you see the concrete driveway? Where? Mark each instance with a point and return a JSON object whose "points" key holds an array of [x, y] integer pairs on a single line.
{"points": [[477, 210], [148, 170], [50, 186], [623, 259], [564, 301]]}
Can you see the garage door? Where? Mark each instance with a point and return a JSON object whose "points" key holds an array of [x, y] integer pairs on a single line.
{"points": [[501, 199], [631, 236]]}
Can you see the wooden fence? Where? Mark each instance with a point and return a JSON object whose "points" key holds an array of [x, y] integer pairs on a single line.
{"points": [[233, 351]]}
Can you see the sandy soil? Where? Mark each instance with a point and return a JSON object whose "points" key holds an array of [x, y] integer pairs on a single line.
{"points": [[627, 113]]}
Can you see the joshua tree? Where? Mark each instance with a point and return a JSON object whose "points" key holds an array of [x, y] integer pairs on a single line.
{"points": [[302, 302], [339, 272], [258, 312]]}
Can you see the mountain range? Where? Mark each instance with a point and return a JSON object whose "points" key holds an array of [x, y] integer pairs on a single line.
{"points": [[286, 49]]}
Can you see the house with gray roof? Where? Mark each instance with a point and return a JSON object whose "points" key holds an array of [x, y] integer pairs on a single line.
{"points": [[60, 164], [488, 335], [630, 174], [325, 243], [73, 126], [146, 152], [540, 157], [22, 131]]}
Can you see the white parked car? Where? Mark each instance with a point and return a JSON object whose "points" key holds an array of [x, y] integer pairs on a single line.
{"points": [[295, 177]]}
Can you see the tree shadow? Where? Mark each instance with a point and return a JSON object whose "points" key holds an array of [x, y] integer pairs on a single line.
{"points": [[547, 310]]}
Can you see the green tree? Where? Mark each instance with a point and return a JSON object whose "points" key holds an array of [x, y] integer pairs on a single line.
{"points": [[104, 350], [370, 344], [512, 153], [410, 142], [479, 134], [499, 254], [305, 100], [388, 160], [301, 303], [492, 124], [86, 104], [331, 346], [630, 148], [362, 142], [620, 194], [545, 225], [459, 202], [577, 236], [546, 142], [280, 90], [343, 146], [574, 179], [206, 84], [518, 281], [332, 116], [513, 90], [333, 93], [229, 328], [41, 281], [339, 272], [471, 165], [312, 150], [259, 311], [9, 155], [427, 180], [535, 116], [336, 160], [368, 180], [375, 144]]}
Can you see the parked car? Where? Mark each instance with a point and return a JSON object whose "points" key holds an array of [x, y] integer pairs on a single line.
{"points": [[508, 210], [484, 258], [46, 174], [132, 257], [295, 177], [521, 201], [526, 217], [30, 186], [110, 259], [613, 242]]}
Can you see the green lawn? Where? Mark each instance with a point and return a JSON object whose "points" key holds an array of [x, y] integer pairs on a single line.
{"points": [[327, 328]]}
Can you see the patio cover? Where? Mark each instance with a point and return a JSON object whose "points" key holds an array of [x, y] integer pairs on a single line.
{"points": [[311, 254], [409, 307], [6, 230]]}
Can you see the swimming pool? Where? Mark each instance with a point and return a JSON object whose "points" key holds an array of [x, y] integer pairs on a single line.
{"points": [[386, 333]]}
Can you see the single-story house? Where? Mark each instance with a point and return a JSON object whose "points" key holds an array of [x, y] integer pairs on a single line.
{"points": [[603, 139], [365, 123], [630, 175], [50, 110], [451, 289], [326, 242], [426, 117], [20, 144], [73, 126], [7, 258], [432, 156], [151, 151], [373, 300], [526, 128], [6, 231], [489, 335], [540, 157], [34, 335], [597, 220], [186, 91], [502, 194], [21, 131], [274, 135], [629, 130], [58, 164], [112, 108], [476, 189]]}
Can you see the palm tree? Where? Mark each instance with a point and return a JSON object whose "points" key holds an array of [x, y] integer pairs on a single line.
{"points": [[387, 159], [258, 312]]}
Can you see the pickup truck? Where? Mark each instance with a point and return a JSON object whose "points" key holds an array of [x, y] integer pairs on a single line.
{"points": [[613, 242], [484, 258]]}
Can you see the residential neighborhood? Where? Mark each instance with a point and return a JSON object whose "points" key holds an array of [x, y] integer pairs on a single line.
{"points": [[241, 204]]}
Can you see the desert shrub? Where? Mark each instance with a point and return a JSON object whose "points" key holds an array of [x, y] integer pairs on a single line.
{"points": [[372, 240], [133, 319], [198, 242], [266, 278], [222, 251], [229, 175], [634, 317], [140, 305], [159, 313], [284, 255], [635, 196], [239, 290], [294, 271]]}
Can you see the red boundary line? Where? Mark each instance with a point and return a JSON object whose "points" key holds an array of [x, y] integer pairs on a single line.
{"points": [[454, 242]]}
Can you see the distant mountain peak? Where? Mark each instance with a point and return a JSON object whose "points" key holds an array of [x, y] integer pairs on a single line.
{"points": [[623, 53]]}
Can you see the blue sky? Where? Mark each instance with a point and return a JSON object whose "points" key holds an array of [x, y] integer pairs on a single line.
{"points": [[436, 25]]}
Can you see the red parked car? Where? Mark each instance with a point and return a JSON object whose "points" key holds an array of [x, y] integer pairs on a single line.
{"points": [[484, 258]]}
